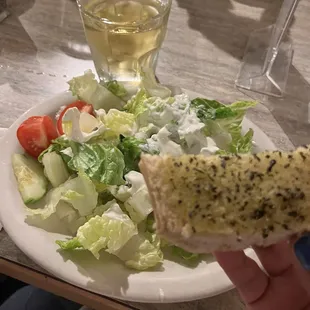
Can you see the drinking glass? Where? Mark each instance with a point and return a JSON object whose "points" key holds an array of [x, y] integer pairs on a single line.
{"points": [[268, 57], [124, 36]]}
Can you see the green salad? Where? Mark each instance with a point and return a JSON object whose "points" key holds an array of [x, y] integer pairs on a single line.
{"points": [[82, 165]]}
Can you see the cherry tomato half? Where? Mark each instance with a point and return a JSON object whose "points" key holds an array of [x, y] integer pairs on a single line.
{"points": [[36, 133]]}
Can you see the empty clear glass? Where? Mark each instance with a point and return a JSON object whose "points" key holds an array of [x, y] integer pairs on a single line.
{"points": [[268, 56]]}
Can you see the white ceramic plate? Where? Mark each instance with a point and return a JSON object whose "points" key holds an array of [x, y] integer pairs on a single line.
{"points": [[171, 283]]}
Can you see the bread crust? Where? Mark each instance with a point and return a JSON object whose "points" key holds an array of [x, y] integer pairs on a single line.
{"points": [[172, 227]]}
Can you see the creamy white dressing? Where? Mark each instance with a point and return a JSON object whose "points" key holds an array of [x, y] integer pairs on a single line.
{"points": [[181, 129], [169, 126]]}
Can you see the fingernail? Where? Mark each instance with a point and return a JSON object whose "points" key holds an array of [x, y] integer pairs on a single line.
{"points": [[302, 251]]}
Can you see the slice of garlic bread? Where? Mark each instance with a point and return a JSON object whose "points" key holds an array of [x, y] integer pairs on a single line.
{"points": [[206, 204]]}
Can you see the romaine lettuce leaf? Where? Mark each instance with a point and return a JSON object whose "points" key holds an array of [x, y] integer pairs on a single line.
{"points": [[111, 231], [116, 88], [130, 147], [141, 253], [139, 205], [89, 90], [66, 155], [57, 145], [69, 216], [78, 192], [121, 123], [134, 195], [71, 244], [242, 143], [102, 208], [136, 104], [116, 233], [146, 132], [101, 163], [223, 123]]}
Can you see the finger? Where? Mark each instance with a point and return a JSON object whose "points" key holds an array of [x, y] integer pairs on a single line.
{"points": [[245, 274], [276, 259]]}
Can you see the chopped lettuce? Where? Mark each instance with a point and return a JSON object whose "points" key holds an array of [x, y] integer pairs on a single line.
{"points": [[146, 132], [121, 123], [111, 231], [69, 216], [71, 244], [57, 145], [79, 193], [139, 205], [101, 163], [89, 90], [141, 253], [223, 123], [102, 211], [159, 112], [116, 88], [135, 196], [66, 155], [241, 143], [102, 208], [136, 104], [115, 233], [130, 147]]}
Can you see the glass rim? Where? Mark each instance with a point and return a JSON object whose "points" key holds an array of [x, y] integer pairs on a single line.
{"points": [[106, 21]]}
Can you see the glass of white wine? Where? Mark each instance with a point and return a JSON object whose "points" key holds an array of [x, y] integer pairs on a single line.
{"points": [[124, 35]]}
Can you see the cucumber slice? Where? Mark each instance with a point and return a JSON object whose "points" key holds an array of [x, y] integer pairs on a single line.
{"points": [[31, 181], [55, 169]]}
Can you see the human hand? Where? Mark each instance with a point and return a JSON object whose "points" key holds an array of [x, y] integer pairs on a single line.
{"points": [[286, 285]]}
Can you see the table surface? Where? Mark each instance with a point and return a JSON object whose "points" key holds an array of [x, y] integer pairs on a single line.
{"points": [[42, 45]]}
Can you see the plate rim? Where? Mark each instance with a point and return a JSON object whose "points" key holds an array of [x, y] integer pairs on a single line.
{"points": [[223, 284]]}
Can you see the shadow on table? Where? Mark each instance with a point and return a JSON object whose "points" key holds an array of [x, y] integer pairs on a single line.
{"points": [[217, 21], [16, 44], [15, 41], [58, 23], [292, 111]]}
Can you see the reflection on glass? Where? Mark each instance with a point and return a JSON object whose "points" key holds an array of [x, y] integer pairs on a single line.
{"points": [[124, 35]]}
